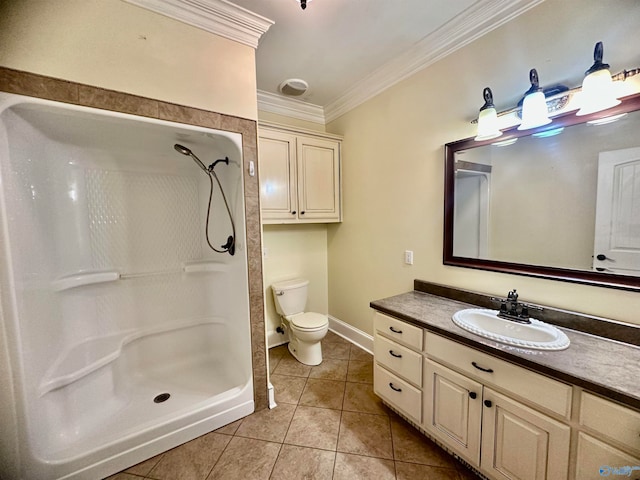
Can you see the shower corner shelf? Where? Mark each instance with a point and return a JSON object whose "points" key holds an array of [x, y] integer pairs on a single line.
{"points": [[82, 279], [204, 266]]}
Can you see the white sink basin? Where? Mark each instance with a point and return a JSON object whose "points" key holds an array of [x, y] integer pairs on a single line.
{"points": [[486, 323]]}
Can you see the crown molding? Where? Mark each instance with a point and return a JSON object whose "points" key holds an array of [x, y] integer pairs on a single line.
{"points": [[220, 17], [473, 23], [270, 102]]}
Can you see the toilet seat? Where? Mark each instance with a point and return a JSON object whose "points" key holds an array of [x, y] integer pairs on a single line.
{"points": [[308, 321]]}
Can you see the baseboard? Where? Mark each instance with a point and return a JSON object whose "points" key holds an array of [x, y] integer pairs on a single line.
{"points": [[351, 333]]}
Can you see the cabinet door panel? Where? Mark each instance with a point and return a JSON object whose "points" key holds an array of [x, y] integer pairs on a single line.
{"points": [[277, 175], [597, 459], [451, 412], [318, 178], [519, 443]]}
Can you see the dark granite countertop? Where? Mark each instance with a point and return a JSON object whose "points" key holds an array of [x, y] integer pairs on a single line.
{"points": [[607, 367]]}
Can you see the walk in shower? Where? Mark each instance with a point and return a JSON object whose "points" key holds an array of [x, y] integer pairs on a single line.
{"points": [[123, 333]]}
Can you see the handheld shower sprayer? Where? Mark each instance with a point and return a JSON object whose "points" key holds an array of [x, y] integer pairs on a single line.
{"points": [[230, 246]]}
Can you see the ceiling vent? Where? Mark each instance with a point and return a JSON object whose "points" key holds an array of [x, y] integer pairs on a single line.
{"points": [[293, 87]]}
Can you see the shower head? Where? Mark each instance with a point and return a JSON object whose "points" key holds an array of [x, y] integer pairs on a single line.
{"points": [[187, 151], [182, 149]]}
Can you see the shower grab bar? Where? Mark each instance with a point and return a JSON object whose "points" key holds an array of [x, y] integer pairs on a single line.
{"points": [[91, 278]]}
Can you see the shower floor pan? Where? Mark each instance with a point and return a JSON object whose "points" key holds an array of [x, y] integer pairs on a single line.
{"points": [[113, 408]]}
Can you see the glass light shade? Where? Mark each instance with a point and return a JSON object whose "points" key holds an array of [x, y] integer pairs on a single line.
{"points": [[487, 125], [597, 93], [534, 111]]}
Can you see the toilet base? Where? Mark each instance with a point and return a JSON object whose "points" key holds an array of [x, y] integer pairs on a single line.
{"points": [[307, 353]]}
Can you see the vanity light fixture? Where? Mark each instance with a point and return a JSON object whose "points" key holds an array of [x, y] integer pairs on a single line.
{"points": [[534, 107], [597, 86], [488, 118]]}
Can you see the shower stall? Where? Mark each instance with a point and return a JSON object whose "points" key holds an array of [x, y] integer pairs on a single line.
{"points": [[122, 334]]}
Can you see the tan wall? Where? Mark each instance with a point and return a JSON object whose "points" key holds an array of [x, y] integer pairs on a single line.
{"points": [[118, 46], [393, 173], [295, 251]]}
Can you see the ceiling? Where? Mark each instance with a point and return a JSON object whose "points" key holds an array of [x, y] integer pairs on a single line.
{"points": [[350, 50]]}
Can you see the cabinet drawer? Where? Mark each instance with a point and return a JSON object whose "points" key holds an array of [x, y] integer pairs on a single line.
{"points": [[533, 387], [399, 331], [614, 421], [398, 393], [398, 359]]}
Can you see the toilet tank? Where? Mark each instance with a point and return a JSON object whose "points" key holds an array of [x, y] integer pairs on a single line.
{"points": [[290, 296]]}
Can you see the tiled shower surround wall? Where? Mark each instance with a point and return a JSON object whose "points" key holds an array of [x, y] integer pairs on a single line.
{"points": [[24, 83]]}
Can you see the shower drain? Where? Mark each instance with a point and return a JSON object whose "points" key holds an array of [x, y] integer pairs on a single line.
{"points": [[163, 397]]}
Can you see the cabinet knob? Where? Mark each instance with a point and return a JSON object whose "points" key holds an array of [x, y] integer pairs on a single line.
{"points": [[394, 354], [394, 388], [473, 395], [488, 403], [601, 257], [302, 212], [294, 212]]}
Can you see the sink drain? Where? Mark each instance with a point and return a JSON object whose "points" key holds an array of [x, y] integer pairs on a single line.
{"points": [[163, 397]]}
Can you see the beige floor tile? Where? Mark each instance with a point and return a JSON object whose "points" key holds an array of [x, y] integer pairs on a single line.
{"points": [[296, 463], [290, 366], [143, 468], [409, 445], [268, 424], [229, 429], [359, 354], [123, 476], [275, 355], [287, 388], [246, 459], [359, 397], [330, 369], [323, 393], [314, 427], [192, 460], [334, 338], [466, 473], [413, 471], [353, 467], [365, 434], [360, 371], [336, 350]]}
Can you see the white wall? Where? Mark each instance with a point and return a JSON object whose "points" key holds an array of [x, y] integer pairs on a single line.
{"points": [[118, 46], [393, 173]]}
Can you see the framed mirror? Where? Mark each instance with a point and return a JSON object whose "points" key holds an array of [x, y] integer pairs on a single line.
{"points": [[560, 202]]}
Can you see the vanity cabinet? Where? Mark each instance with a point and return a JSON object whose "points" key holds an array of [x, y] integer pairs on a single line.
{"points": [[503, 437], [506, 421], [300, 176]]}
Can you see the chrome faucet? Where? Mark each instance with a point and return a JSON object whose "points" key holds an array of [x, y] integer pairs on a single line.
{"points": [[512, 309]]}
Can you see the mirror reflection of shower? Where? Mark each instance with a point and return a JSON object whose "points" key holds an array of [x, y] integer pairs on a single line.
{"points": [[230, 246]]}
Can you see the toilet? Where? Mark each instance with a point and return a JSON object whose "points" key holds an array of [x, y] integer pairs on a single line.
{"points": [[306, 329]]}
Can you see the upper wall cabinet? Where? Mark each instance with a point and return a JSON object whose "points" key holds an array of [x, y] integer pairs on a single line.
{"points": [[300, 176]]}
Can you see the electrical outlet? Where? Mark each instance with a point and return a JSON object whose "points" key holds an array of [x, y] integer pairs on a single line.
{"points": [[408, 257]]}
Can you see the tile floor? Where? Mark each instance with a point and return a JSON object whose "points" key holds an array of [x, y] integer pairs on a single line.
{"points": [[328, 425]]}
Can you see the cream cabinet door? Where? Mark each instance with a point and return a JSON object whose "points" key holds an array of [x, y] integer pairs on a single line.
{"points": [[318, 179], [519, 443], [453, 410], [278, 179], [597, 459]]}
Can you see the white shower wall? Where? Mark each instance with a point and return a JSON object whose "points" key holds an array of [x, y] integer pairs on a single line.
{"points": [[109, 291]]}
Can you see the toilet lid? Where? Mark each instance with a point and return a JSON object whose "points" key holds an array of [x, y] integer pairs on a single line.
{"points": [[309, 320]]}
